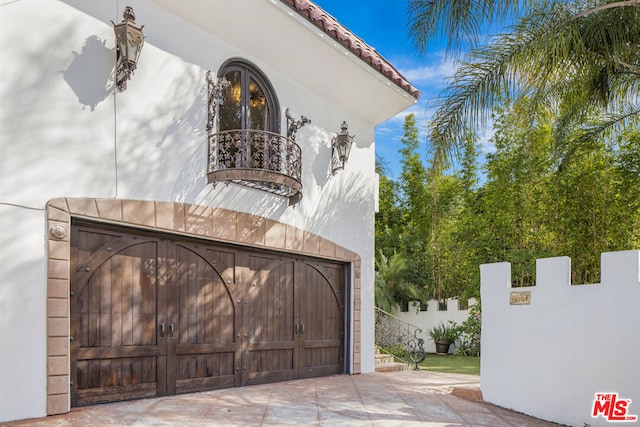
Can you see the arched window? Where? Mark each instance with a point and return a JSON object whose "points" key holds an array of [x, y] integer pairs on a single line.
{"points": [[249, 102], [245, 144]]}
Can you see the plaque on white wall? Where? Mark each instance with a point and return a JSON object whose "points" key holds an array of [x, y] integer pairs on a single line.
{"points": [[520, 298]]}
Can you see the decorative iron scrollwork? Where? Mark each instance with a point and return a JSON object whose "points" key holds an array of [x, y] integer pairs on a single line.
{"points": [[294, 125], [390, 331], [256, 159], [215, 89], [253, 158], [415, 349]]}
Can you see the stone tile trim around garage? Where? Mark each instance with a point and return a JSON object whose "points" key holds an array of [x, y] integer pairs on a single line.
{"points": [[218, 224]]}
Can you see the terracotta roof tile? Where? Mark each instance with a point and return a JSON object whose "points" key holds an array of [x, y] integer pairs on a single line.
{"points": [[341, 34]]}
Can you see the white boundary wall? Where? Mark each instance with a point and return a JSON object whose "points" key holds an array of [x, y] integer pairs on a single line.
{"points": [[432, 317], [549, 358]]}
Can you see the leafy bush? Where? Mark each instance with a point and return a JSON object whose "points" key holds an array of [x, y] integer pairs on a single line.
{"points": [[469, 340], [393, 287], [445, 333], [397, 350]]}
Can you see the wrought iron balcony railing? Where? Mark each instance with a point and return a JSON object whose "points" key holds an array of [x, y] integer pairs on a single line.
{"points": [[257, 159]]}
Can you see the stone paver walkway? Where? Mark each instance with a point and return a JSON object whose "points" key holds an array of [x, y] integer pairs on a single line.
{"points": [[406, 398]]}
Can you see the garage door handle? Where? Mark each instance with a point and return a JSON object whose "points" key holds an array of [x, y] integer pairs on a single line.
{"points": [[301, 328], [171, 329], [162, 330], [297, 328]]}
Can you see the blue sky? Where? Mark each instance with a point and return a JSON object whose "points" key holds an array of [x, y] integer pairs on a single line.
{"points": [[382, 24]]}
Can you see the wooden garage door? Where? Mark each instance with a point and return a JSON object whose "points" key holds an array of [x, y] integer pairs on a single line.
{"points": [[293, 320], [154, 315]]}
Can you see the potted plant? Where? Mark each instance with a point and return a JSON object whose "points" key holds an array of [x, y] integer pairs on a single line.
{"points": [[443, 336]]}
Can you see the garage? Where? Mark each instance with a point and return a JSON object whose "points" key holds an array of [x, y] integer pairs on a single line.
{"points": [[156, 314]]}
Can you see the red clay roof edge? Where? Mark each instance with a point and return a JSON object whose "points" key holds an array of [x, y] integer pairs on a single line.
{"points": [[321, 19]]}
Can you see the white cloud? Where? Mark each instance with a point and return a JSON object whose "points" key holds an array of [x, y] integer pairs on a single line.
{"points": [[484, 138], [429, 76], [435, 74], [432, 71]]}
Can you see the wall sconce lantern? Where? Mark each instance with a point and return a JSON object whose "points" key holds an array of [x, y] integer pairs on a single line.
{"points": [[129, 41], [340, 148]]}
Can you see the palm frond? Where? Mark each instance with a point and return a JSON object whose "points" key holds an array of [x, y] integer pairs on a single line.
{"points": [[613, 123], [460, 22], [559, 55]]}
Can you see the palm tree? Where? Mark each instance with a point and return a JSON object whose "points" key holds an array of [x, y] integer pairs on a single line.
{"points": [[392, 286], [459, 22], [579, 58]]}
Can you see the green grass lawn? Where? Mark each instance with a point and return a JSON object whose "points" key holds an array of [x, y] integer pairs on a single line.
{"points": [[451, 364]]}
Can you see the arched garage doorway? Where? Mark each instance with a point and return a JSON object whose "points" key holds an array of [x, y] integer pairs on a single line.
{"points": [[157, 310]]}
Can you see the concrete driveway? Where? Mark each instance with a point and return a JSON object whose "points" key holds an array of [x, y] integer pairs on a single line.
{"points": [[406, 398]]}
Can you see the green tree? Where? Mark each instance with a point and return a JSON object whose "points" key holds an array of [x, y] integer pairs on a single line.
{"points": [[467, 234], [413, 178], [515, 199], [388, 219], [596, 191], [392, 287], [581, 58], [536, 205], [398, 236], [533, 203], [415, 218], [442, 199], [459, 23]]}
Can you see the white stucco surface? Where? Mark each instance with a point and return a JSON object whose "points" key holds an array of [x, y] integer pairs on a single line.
{"points": [[23, 311], [549, 358], [432, 317], [65, 132]]}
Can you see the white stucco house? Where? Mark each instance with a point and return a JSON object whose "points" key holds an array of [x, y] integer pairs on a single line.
{"points": [[191, 230]]}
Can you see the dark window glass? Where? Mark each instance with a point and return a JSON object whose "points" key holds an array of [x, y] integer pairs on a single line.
{"points": [[258, 111], [231, 108], [249, 101]]}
